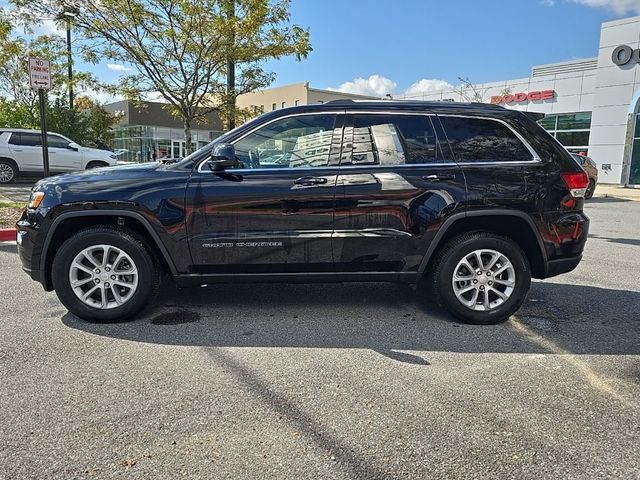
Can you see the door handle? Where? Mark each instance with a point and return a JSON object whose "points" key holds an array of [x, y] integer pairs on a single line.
{"points": [[310, 181], [16, 149], [441, 176]]}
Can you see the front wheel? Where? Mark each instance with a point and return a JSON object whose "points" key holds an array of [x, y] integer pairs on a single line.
{"points": [[104, 274], [481, 278]]}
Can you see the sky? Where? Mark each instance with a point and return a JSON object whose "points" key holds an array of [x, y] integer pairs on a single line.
{"points": [[377, 47]]}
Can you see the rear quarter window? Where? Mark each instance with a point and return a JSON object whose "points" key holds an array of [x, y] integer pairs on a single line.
{"points": [[483, 140]]}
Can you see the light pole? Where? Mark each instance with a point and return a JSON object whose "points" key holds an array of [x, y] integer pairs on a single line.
{"points": [[67, 15]]}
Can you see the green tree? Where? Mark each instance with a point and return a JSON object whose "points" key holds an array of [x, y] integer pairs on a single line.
{"points": [[181, 48]]}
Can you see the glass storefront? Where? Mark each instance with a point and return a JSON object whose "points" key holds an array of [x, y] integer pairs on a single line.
{"points": [[570, 129], [138, 143], [634, 168]]}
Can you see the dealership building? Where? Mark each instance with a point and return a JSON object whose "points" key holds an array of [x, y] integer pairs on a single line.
{"points": [[591, 105]]}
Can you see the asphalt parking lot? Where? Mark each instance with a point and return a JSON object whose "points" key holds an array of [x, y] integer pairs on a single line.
{"points": [[331, 381]]}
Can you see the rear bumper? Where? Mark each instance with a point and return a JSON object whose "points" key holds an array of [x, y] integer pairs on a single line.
{"points": [[562, 265]]}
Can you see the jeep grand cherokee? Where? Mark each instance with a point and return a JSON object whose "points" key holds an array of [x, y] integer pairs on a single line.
{"points": [[475, 198]]}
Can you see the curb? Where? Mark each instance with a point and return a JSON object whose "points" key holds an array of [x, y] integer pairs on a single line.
{"points": [[7, 234]]}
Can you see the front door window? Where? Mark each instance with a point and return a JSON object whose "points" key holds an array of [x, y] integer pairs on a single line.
{"points": [[292, 142]]}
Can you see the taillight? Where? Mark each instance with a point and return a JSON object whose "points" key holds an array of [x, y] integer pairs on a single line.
{"points": [[576, 182]]}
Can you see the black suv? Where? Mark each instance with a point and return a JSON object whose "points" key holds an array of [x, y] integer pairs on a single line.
{"points": [[475, 198]]}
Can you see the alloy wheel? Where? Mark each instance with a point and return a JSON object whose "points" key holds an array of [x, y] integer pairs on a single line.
{"points": [[103, 276], [6, 173], [483, 280]]}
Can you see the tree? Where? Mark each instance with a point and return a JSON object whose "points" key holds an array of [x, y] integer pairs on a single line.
{"points": [[180, 49], [471, 92]]}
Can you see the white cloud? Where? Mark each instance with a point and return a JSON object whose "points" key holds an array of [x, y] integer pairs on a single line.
{"points": [[48, 27], [117, 67], [379, 86], [375, 85], [548, 3], [100, 96], [426, 85], [619, 7]]}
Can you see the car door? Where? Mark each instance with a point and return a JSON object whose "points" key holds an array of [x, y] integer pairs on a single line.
{"points": [[395, 186], [61, 157], [274, 212], [26, 148]]}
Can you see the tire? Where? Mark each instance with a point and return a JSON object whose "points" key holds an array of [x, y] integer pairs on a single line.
{"points": [[8, 171], [95, 164], [590, 189], [450, 260], [134, 292]]}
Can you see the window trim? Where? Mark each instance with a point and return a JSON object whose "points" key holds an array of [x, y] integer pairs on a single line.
{"points": [[535, 157], [534, 154]]}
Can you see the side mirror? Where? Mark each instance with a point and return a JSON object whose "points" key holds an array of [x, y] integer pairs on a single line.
{"points": [[223, 156], [73, 146]]}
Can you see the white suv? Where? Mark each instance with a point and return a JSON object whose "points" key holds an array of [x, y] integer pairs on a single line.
{"points": [[21, 152]]}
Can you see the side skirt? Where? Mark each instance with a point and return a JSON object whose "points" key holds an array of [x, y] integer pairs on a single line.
{"points": [[191, 280]]}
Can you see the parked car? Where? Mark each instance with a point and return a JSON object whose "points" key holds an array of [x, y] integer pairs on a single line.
{"points": [[592, 172], [21, 152], [476, 199]]}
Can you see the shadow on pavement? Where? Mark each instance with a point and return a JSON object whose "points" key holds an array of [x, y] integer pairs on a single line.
{"points": [[608, 200], [8, 247], [381, 317], [623, 241]]}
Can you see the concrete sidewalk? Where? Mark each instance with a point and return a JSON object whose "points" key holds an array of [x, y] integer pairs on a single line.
{"points": [[617, 191]]}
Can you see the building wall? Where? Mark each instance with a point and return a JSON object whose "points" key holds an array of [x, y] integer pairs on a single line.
{"points": [[291, 95], [155, 114], [269, 97], [323, 96]]}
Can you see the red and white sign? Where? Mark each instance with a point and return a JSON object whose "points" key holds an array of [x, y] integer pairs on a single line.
{"points": [[523, 97], [40, 73]]}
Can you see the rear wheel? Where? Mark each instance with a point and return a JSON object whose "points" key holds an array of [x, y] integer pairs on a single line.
{"points": [[8, 171], [103, 274], [481, 278], [590, 189]]}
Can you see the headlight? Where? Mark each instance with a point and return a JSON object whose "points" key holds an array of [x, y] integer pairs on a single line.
{"points": [[36, 199]]}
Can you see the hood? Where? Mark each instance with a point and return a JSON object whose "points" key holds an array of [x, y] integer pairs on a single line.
{"points": [[109, 184], [97, 152]]}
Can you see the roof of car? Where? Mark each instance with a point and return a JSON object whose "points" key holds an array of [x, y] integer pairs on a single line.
{"points": [[21, 130]]}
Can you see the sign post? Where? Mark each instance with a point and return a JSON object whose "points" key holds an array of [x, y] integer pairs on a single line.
{"points": [[40, 79]]}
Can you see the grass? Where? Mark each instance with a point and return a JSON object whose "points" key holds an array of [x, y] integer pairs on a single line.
{"points": [[9, 204], [10, 213]]}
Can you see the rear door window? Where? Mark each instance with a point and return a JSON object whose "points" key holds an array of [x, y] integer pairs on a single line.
{"points": [[15, 138], [483, 140], [30, 139], [391, 140]]}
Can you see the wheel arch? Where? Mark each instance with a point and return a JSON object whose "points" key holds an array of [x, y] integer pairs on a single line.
{"points": [[70, 222], [102, 163], [514, 224], [11, 161]]}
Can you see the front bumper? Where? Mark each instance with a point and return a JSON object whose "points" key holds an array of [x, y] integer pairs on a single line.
{"points": [[30, 248]]}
